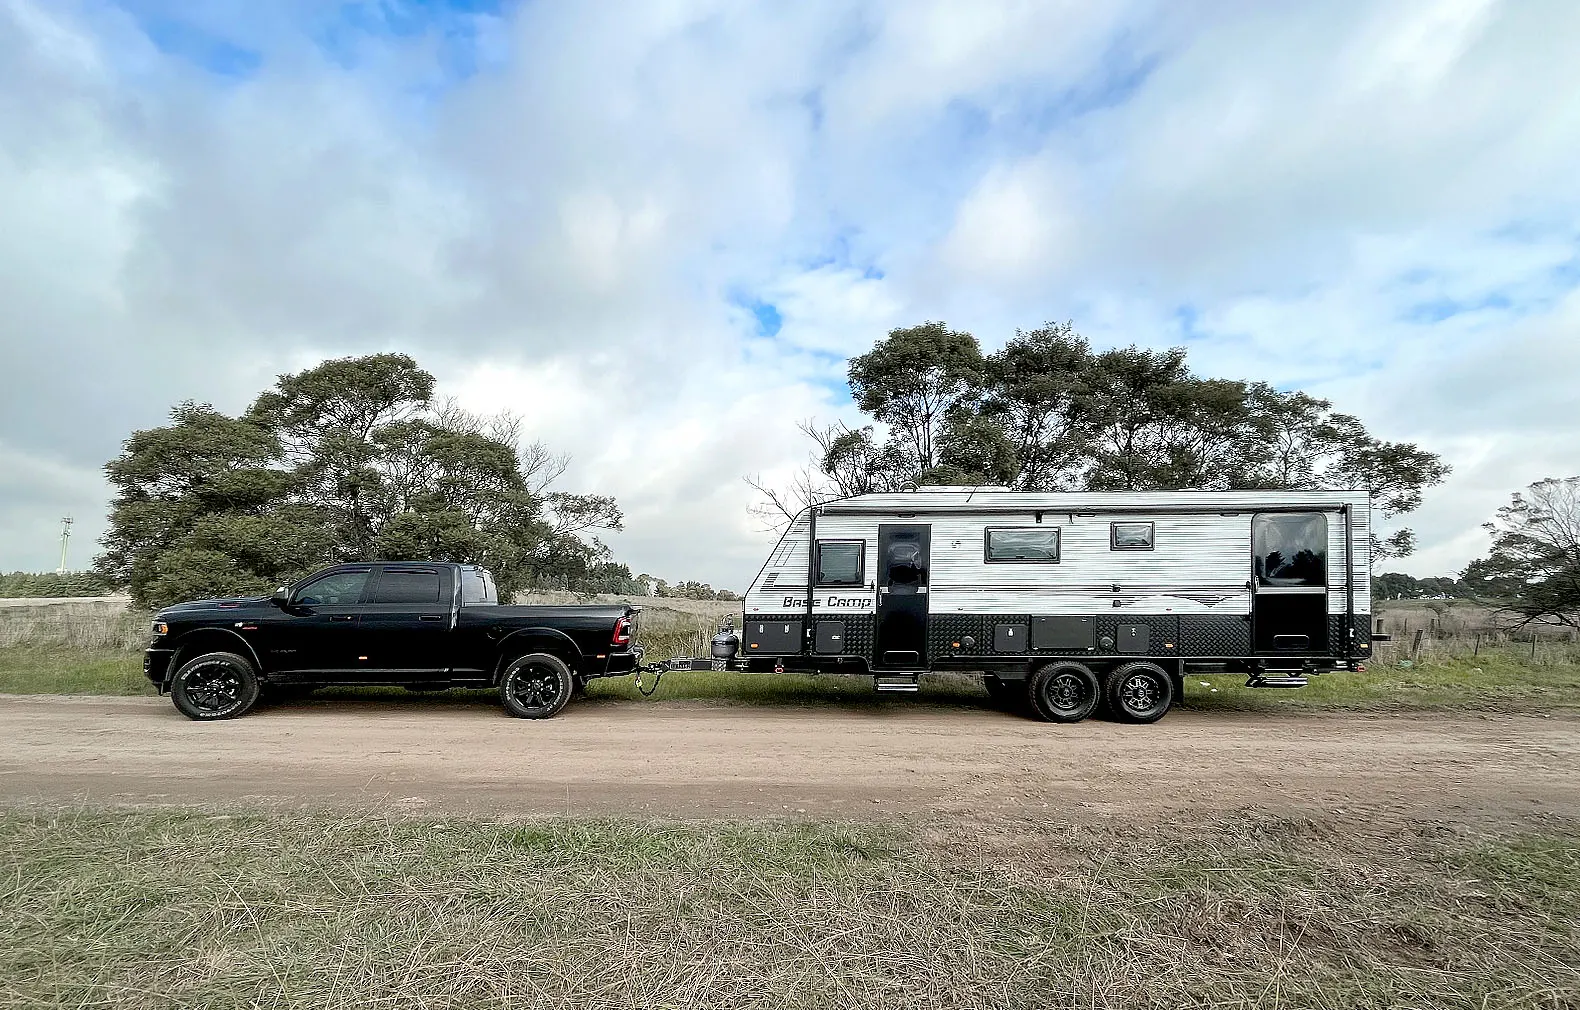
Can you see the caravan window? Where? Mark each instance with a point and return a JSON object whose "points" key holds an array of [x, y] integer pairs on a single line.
{"points": [[1291, 549], [1031, 543], [841, 562], [1130, 536]]}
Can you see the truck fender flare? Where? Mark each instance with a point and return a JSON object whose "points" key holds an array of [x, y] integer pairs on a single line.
{"points": [[525, 640], [184, 648]]}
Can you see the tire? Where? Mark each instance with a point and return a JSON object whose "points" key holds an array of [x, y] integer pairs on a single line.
{"points": [[1140, 692], [536, 686], [215, 685], [1063, 692]]}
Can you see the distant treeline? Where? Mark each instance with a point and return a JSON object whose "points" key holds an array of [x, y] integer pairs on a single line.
{"points": [[32, 585], [684, 590], [616, 579]]}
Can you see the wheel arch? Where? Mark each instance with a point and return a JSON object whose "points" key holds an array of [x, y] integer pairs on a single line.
{"points": [[529, 640], [201, 640]]}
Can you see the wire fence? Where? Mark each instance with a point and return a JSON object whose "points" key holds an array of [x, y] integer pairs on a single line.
{"points": [[1473, 634], [1415, 634]]}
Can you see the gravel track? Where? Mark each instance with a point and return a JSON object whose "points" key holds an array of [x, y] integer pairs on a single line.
{"points": [[690, 759]]}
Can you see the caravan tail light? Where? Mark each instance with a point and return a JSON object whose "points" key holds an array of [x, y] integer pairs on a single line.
{"points": [[622, 632]]}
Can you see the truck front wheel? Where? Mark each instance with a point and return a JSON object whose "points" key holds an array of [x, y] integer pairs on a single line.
{"points": [[215, 685], [536, 686]]}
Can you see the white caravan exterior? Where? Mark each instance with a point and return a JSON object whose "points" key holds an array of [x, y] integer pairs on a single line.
{"points": [[1274, 583]]}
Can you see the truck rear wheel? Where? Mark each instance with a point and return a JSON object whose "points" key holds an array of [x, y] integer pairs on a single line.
{"points": [[1063, 692], [215, 685], [1140, 692], [536, 686]]}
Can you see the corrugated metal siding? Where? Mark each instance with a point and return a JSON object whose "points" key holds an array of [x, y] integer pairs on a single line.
{"points": [[1199, 563]]}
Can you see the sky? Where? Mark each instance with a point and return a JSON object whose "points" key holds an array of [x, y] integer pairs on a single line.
{"points": [[656, 230]]}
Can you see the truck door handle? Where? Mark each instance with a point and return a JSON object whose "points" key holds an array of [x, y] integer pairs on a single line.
{"points": [[431, 617], [342, 617]]}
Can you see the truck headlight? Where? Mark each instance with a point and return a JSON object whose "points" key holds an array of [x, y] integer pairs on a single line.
{"points": [[160, 628]]}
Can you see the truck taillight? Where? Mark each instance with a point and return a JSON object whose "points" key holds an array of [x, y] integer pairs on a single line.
{"points": [[622, 632]]}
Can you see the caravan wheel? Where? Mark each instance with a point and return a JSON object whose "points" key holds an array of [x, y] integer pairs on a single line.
{"points": [[1063, 692], [1140, 692]]}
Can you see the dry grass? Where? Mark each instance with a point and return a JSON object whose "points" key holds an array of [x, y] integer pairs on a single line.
{"points": [[98, 625], [137, 909]]}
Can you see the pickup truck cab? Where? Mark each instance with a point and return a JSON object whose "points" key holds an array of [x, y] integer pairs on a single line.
{"points": [[423, 626]]}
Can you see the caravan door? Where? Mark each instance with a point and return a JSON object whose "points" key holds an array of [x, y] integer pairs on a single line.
{"points": [[1289, 578], [903, 565]]}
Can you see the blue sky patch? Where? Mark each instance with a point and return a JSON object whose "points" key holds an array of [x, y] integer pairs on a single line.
{"points": [[1439, 309], [769, 321], [199, 46], [346, 32]]}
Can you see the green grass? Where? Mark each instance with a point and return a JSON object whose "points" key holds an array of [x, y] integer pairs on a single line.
{"points": [[784, 688], [245, 909], [47, 670], [1499, 680]]}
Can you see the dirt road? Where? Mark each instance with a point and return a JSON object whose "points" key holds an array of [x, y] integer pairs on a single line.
{"points": [[694, 759]]}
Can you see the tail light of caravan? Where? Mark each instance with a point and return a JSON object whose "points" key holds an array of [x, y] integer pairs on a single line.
{"points": [[622, 632]]}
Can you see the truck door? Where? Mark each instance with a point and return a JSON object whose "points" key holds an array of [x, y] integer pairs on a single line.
{"points": [[903, 566], [1289, 578], [317, 630], [406, 622]]}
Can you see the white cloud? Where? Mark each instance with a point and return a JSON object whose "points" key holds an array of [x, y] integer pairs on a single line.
{"points": [[1375, 202]]}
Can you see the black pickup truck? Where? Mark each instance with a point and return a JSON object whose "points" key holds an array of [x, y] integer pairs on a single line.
{"points": [[422, 626]]}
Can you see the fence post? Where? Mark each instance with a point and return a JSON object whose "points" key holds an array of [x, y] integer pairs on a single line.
{"points": [[1415, 644], [1477, 650], [1533, 645]]}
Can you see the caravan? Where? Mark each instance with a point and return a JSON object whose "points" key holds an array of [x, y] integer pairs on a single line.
{"points": [[1069, 601]]}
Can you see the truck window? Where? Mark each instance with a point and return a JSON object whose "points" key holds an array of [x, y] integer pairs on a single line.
{"points": [[840, 562], [407, 586], [334, 588], [1031, 543], [474, 587]]}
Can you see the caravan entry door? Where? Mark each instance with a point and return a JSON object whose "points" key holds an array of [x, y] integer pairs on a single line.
{"points": [[903, 566], [1289, 573]]}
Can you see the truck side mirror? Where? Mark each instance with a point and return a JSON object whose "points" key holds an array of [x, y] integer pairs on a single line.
{"points": [[281, 597]]}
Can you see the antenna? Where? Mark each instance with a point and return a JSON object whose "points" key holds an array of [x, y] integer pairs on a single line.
{"points": [[65, 537]]}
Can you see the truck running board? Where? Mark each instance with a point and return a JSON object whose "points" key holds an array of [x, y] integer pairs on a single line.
{"points": [[904, 682], [1263, 680]]}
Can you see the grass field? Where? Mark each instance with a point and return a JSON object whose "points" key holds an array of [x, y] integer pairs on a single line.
{"points": [[91, 648], [1497, 681], [243, 909]]}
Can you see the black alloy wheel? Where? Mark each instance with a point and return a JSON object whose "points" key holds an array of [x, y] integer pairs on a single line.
{"points": [[537, 686], [216, 685], [1063, 692], [1140, 692]]}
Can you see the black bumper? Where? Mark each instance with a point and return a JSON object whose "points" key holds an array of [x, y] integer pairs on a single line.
{"points": [[618, 664], [156, 664]]}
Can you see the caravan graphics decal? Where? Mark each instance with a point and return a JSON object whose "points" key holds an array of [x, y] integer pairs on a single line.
{"points": [[829, 603]]}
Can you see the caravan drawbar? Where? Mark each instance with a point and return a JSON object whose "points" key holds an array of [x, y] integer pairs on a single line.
{"points": [[1068, 601]]}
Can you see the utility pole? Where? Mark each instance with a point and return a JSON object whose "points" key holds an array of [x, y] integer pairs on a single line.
{"points": [[65, 537]]}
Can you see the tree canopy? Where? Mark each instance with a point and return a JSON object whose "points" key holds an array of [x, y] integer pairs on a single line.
{"points": [[1534, 563], [351, 460], [1047, 412]]}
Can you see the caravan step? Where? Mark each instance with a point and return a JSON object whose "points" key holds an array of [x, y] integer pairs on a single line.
{"points": [[905, 682], [1266, 681]]}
